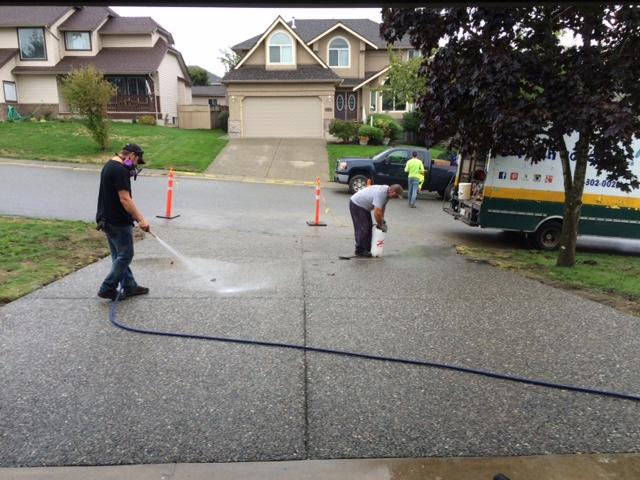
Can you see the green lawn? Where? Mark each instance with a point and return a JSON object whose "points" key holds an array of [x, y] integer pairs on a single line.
{"points": [[164, 147], [337, 150], [36, 252], [611, 279]]}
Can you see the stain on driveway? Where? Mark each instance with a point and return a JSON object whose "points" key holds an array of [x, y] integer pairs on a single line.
{"points": [[300, 159]]}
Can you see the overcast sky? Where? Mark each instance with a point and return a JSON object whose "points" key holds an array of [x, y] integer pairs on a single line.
{"points": [[200, 33]]}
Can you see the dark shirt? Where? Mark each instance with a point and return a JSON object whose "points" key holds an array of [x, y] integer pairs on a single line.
{"points": [[113, 178]]}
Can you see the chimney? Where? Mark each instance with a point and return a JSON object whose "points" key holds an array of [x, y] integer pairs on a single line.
{"points": [[293, 22]]}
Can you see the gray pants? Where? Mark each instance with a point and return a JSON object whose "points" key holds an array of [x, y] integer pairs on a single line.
{"points": [[362, 226]]}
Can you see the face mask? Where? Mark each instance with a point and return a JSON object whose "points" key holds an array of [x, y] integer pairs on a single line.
{"points": [[133, 171]]}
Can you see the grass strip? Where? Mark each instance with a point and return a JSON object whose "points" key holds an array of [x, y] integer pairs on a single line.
{"points": [[36, 252], [607, 278], [164, 147]]}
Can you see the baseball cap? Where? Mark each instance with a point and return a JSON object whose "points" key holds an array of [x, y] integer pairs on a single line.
{"points": [[133, 148]]}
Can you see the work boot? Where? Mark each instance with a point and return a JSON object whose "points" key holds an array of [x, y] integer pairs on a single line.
{"points": [[137, 291], [364, 255], [112, 295]]}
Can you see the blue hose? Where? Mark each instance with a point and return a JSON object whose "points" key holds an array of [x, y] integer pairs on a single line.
{"points": [[421, 363]]}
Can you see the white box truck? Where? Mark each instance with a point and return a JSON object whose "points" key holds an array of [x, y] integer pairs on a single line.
{"points": [[511, 193]]}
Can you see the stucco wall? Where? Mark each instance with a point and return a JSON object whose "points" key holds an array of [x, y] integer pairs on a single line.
{"points": [[8, 38], [354, 52], [376, 60], [6, 75], [109, 41], [237, 92], [37, 89]]}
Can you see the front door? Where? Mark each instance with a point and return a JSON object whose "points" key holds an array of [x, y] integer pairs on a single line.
{"points": [[346, 106]]}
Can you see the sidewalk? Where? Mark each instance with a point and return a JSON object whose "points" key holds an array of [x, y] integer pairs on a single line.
{"points": [[566, 467]]}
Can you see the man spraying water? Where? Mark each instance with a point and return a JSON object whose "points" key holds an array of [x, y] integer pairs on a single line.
{"points": [[115, 216]]}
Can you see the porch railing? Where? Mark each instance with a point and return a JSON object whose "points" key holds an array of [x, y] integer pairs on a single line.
{"points": [[132, 103]]}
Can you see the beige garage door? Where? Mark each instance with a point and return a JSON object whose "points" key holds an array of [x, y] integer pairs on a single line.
{"points": [[282, 117]]}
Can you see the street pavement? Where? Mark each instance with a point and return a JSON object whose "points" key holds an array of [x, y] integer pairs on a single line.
{"points": [[78, 391]]}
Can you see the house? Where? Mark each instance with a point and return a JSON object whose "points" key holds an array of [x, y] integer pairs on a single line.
{"points": [[296, 77], [213, 94], [39, 45]]}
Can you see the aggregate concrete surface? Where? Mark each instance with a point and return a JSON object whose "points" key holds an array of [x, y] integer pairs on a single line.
{"points": [[78, 391]]}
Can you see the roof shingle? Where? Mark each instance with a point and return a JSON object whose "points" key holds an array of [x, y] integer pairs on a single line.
{"points": [[7, 54], [304, 73], [311, 28], [33, 16], [87, 18], [133, 25], [123, 61]]}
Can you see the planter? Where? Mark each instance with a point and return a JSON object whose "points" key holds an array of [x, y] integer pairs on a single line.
{"points": [[364, 140], [385, 140]]}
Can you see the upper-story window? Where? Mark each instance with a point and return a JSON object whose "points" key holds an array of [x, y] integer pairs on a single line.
{"points": [[413, 54], [77, 40], [338, 52], [281, 49], [32, 46]]}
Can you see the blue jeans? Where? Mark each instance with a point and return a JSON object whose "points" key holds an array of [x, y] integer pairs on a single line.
{"points": [[120, 240], [413, 190]]}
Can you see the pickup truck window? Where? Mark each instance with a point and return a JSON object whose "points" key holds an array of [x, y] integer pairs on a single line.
{"points": [[398, 157]]}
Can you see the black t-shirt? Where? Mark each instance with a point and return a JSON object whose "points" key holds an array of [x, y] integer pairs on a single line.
{"points": [[114, 177]]}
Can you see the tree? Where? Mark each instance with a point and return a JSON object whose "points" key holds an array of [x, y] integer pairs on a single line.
{"points": [[500, 81], [88, 93], [229, 59], [199, 75], [403, 80]]}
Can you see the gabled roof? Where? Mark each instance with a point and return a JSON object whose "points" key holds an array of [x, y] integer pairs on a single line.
{"points": [[132, 26], [259, 74], [87, 18], [123, 61], [368, 76], [280, 21], [311, 29], [33, 16], [7, 54]]}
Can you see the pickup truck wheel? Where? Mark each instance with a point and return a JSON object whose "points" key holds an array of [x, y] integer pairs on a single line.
{"points": [[357, 182], [547, 236], [446, 194]]}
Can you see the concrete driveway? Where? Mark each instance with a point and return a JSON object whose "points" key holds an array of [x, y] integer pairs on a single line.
{"points": [[299, 159]]}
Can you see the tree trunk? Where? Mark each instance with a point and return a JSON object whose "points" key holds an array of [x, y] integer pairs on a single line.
{"points": [[573, 188]]}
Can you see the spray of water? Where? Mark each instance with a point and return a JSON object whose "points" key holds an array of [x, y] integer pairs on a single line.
{"points": [[210, 273]]}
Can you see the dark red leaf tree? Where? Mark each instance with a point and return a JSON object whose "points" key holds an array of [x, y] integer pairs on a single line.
{"points": [[501, 81]]}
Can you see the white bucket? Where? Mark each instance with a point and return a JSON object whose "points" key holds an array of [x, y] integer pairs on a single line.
{"points": [[377, 242], [464, 191]]}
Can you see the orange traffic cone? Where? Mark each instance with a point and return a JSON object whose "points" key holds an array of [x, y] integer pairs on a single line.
{"points": [[317, 222], [167, 214]]}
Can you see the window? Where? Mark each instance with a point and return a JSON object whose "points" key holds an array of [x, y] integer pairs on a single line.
{"points": [[352, 102], [10, 93], [130, 85], [414, 53], [31, 42], [398, 157], [339, 102], [281, 49], [393, 103], [77, 40], [338, 53], [373, 101]]}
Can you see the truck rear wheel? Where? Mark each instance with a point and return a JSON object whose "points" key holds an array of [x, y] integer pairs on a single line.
{"points": [[547, 236], [357, 183]]}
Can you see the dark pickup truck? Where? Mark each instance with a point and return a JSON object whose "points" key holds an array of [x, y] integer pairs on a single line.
{"points": [[387, 168]]}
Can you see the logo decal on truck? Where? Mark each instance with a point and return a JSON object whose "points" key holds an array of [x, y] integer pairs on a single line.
{"points": [[537, 177], [514, 175], [548, 179], [502, 175]]}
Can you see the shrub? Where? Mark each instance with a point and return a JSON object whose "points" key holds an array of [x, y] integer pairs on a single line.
{"points": [[390, 128], [411, 122], [223, 120], [343, 129], [88, 93], [375, 134], [146, 120]]}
